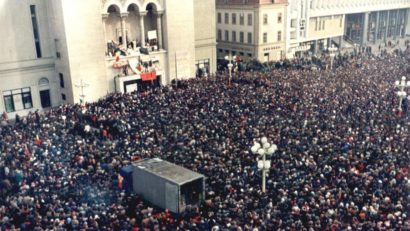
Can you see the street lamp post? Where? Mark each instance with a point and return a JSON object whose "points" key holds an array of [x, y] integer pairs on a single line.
{"points": [[402, 93], [230, 58], [82, 85], [263, 149], [332, 52]]}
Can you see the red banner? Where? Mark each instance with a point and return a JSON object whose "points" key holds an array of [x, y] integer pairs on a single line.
{"points": [[149, 76]]}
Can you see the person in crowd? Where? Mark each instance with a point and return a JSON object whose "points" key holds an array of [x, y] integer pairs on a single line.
{"points": [[342, 161]]}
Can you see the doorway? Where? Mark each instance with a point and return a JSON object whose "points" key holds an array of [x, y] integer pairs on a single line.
{"points": [[45, 98], [44, 88]]}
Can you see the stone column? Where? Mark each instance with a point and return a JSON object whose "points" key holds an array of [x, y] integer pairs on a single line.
{"points": [[104, 21], [142, 15], [397, 25], [377, 26], [315, 47], [387, 25], [124, 29], [406, 23], [365, 27], [159, 29]]}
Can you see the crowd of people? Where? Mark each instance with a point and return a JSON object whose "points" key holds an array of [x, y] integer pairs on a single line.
{"points": [[342, 161]]}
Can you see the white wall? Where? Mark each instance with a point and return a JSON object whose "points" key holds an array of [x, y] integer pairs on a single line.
{"points": [[86, 47], [28, 74], [179, 38], [19, 65], [17, 40], [205, 40]]}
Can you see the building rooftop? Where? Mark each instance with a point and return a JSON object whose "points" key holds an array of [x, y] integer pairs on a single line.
{"points": [[167, 170]]}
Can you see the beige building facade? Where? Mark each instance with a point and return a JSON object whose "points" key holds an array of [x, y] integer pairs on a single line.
{"points": [[315, 25], [252, 29], [74, 51]]}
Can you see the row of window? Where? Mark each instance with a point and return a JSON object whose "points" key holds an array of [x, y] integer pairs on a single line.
{"points": [[233, 53], [233, 38], [242, 34], [265, 36], [17, 99], [266, 20], [20, 99], [242, 18], [233, 17]]}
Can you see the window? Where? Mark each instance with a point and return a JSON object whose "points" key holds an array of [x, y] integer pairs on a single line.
{"points": [[280, 18], [9, 104], [219, 18], [249, 19], [241, 19], [63, 97], [265, 37], [202, 68], [293, 23], [241, 35], [316, 24], [302, 24], [58, 55], [234, 18], [35, 30], [341, 20], [61, 80], [265, 19], [219, 34], [320, 24], [293, 35], [323, 24], [233, 36], [279, 36], [17, 99], [249, 37], [226, 35], [226, 18]]}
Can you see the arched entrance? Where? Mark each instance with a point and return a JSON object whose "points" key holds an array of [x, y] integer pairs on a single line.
{"points": [[153, 26], [133, 20], [44, 89], [113, 29]]}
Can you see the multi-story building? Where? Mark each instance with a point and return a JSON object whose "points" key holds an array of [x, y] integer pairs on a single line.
{"points": [[251, 28], [59, 51], [314, 25]]}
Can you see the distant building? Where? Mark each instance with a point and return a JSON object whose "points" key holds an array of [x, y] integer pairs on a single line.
{"points": [[56, 52], [314, 25], [252, 29]]}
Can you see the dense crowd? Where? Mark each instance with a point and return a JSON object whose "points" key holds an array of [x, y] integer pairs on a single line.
{"points": [[342, 161]]}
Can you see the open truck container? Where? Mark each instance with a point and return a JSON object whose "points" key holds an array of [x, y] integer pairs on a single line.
{"points": [[167, 185]]}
